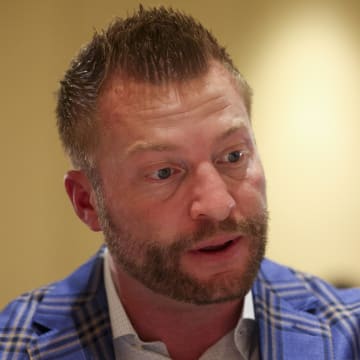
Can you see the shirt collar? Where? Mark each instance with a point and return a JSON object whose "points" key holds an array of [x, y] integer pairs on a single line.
{"points": [[120, 323]]}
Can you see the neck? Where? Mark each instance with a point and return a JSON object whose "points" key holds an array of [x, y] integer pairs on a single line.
{"points": [[158, 318]]}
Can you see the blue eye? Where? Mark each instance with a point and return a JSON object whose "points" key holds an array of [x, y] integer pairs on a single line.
{"points": [[234, 156], [162, 174]]}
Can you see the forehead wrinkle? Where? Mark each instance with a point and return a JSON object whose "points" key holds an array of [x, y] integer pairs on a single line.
{"points": [[143, 146], [174, 111], [149, 102]]}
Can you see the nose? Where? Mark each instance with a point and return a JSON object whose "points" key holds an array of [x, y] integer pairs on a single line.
{"points": [[211, 198]]}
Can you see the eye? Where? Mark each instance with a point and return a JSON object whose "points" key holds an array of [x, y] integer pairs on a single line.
{"points": [[232, 157], [162, 174]]}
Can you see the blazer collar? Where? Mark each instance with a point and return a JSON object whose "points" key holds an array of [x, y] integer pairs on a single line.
{"points": [[72, 319], [286, 314]]}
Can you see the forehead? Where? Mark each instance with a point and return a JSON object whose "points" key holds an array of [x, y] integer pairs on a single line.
{"points": [[126, 101]]}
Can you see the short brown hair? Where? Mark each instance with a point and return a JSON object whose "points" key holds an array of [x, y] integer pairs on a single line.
{"points": [[155, 45]]}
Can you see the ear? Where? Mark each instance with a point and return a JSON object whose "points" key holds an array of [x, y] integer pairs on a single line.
{"points": [[82, 197]]}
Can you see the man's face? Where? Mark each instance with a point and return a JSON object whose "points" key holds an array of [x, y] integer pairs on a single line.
{"points": [[182, 198]]}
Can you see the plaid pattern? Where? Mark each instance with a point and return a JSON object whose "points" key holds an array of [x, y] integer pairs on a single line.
{"points": [[66, 320], [299, 317], [302, 317]]}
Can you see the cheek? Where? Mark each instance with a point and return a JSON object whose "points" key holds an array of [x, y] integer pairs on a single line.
{"points": [[140, 210], [251, 193], [139, 215], [258, 181], [256, 176]]}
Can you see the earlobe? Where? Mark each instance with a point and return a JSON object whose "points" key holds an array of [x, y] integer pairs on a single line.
{"points": [[81, 194]]}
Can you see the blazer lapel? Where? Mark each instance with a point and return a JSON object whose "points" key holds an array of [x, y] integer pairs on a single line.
{"points": [[286, 314], [72, 319], [69, 344]]}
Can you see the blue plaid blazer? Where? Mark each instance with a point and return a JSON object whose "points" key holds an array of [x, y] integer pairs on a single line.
{"points": [[299, 317]]}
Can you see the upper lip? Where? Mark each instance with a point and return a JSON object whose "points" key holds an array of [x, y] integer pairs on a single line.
{"points": [[215, 241]]}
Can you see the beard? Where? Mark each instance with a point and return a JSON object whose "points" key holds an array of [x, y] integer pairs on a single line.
{"points": [[158, 266]]}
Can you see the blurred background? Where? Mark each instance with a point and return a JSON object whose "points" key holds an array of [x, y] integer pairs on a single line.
{"points": [[302, 60]]}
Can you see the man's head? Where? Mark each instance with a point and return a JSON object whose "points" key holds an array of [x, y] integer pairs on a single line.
{"points": [[168, 167]]}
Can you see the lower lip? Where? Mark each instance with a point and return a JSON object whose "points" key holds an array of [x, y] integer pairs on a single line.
{"points": [[227, 253]]}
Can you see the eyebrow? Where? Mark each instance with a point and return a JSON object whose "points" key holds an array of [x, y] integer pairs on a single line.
{"points": [[143, 146], [229, 132]]}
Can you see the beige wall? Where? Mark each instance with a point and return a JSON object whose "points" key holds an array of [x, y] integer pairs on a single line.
{"points": [[304, 65]]}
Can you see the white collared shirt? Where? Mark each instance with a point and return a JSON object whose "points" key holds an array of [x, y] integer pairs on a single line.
{"points": [[240, 343]]}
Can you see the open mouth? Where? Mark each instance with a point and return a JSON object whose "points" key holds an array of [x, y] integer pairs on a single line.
{"points": [[216, 248], [219, 253]]}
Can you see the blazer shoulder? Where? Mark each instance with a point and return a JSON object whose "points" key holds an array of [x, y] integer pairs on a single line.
{"points": [[329, 295], [311, 294], [16, 329], [24, 305], [285, 280]]}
